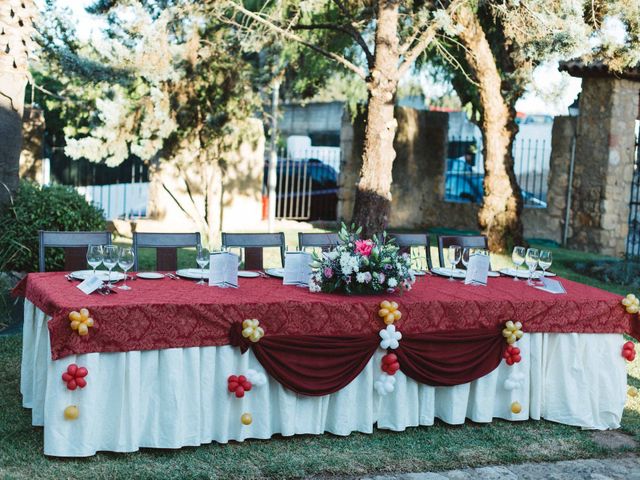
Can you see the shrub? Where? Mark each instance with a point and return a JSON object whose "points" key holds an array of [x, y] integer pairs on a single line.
{"points": [[36, 208]]}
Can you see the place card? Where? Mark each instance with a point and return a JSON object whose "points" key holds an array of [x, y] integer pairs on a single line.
{"points": [[297, 268], [223, 269], [551, 286], [477, 270], [90, 284]]}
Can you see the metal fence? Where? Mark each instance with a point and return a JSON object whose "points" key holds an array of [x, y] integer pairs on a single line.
{"points": [[633, 237], [465, 170], [307, 183], [123, 200]]}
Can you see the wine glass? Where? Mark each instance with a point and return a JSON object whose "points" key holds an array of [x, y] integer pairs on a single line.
{"points": [[94, 257], [545, 260], [518, 259], [125, 262], [466, 254], [202, 259], [110, 254], [453, 254], [531, 259]]}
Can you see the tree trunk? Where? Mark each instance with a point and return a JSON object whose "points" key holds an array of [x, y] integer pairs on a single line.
{"points": [[373, 194], [499, 216], [11, 110]]}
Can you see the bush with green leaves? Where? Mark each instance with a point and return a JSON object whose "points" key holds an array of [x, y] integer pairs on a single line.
{"points": [[37, 208]]}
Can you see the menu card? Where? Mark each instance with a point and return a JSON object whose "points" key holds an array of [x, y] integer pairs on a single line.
{"points": [[297, 268], [477, 270], [551, 286], [90, 285], [223, 269]]}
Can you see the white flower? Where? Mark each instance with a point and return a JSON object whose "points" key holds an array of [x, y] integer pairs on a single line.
{"points": [[256, 378], [613, 32], [332, 255], [514, 381], [314, 287], [349, 264], [390, 338], [360, 277], [385, 384], [392, 282]]}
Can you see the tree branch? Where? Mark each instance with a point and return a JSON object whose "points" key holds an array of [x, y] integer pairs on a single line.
{"points": [[292, 36], [347, 29]]}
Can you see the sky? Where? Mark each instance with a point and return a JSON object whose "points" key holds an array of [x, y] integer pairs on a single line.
{"points": [[551, 92]]}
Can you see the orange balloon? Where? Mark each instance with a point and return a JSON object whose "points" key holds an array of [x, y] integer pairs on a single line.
{"points": [[516, 407]]}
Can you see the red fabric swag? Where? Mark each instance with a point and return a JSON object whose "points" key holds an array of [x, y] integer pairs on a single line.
{"points": [[450, 358]]}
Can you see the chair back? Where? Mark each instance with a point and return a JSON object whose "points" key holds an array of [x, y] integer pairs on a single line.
{"points": [[166, 245], [470, 241], [74, 245], [252, 245], [407, 240], [324, 241]]}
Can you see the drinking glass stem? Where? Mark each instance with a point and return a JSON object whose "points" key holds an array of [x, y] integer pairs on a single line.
{"points": [[515, 278], [125, 280], [109, 278]]}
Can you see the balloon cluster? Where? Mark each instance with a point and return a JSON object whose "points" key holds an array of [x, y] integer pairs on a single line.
{"points": [[252, 330], [389, 312], [389, 364], [74, 377], [81, 321], [390, 338], [514, 381], [385, 384], [238, 385], [512, 332], [629, 351], [512, 355], [631, 303]]}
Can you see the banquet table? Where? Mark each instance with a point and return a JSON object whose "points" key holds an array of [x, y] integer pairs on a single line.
{"points": [[159, 359]]}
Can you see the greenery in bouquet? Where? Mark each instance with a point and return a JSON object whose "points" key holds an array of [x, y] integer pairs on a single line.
{"points": [[362, 266]]}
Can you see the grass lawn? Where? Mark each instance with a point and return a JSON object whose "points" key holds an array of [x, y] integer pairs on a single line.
{"points": [[418, 449]]}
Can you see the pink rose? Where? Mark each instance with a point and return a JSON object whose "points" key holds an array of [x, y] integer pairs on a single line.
{"points": [[364, 247], [328, 272]]}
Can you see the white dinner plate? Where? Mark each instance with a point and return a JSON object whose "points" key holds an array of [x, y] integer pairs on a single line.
{"points": [[150, 275], [275, 272], [493, 274], [101, 274], [419, 273], [248, 274], [550, 274], [446, 272], [193, 273], [511, 272]]}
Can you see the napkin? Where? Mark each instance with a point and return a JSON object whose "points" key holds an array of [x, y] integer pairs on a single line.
{"points": [[90, 284], [477, 270], [297, 268], [551, 286], [223, 269]]}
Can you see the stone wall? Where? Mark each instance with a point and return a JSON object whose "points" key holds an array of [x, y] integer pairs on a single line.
{"points": [[604, 165], [419, 176]]}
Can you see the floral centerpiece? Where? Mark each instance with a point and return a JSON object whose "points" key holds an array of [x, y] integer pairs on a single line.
{"points": [[361, 266]]}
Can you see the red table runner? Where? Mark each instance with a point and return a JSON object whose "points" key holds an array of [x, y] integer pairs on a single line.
{"points": [[167, 313]]}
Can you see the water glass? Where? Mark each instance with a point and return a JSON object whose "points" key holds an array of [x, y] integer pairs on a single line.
{"points": [[94, 257], [202, 259], [545, 260], [531, 259], [466, 254], [110, 254], [454, 252], [125, 262], [518, 259]]}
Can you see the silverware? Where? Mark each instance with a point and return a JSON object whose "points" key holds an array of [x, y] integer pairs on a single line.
{"points": [[172, 276], [68, 277]]}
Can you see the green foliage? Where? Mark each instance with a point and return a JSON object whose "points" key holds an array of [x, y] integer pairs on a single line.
{"points": [[42, 208]]}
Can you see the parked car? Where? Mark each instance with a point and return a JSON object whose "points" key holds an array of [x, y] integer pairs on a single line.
{"points": [[305, 189], [462, 184]]}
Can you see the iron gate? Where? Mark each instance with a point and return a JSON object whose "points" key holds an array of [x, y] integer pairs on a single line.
{"points": [[633, 237]]}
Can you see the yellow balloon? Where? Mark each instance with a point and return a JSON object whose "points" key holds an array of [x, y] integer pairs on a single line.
{"points": [[626, 302], [389, 319], [516, 407], [518, 325], [71, 412], [383, 312], [75, 324], [84, 313], [518, 334], [246, 419], [397, 315], [394, 305], [385, 304], [506, 332], [89, 322], [511, 339], [632, 391], [83, 329], [75, 316], [509, 325], [633, 309], [247, 332]]}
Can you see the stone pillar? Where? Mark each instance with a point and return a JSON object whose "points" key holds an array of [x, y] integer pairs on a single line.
{"points": [[604, 165]]}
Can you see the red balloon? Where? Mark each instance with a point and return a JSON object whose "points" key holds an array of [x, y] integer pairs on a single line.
{"points": [[72, 369], [71, 385], [66, 377], [239, 392], [82, 372], [81, 382]]}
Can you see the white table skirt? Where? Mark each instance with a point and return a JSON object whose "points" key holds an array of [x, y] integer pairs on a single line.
{"points": [[177, 397]]}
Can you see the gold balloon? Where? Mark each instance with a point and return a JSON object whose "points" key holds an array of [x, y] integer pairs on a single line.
{"points": [[83, 329], [389, 312], [516, 407], [75, 316], [75, 324], [632, 391], [84, 313], [246, 419], [71, 412]]}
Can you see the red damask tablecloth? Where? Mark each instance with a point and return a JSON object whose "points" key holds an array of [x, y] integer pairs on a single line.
{"points": [[167, 313]]}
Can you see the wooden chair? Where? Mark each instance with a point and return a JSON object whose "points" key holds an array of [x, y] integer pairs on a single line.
{"points": [[324, 241], [74, 245], [252, 245], [166, 245], [407, 240], [470, 241]]}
